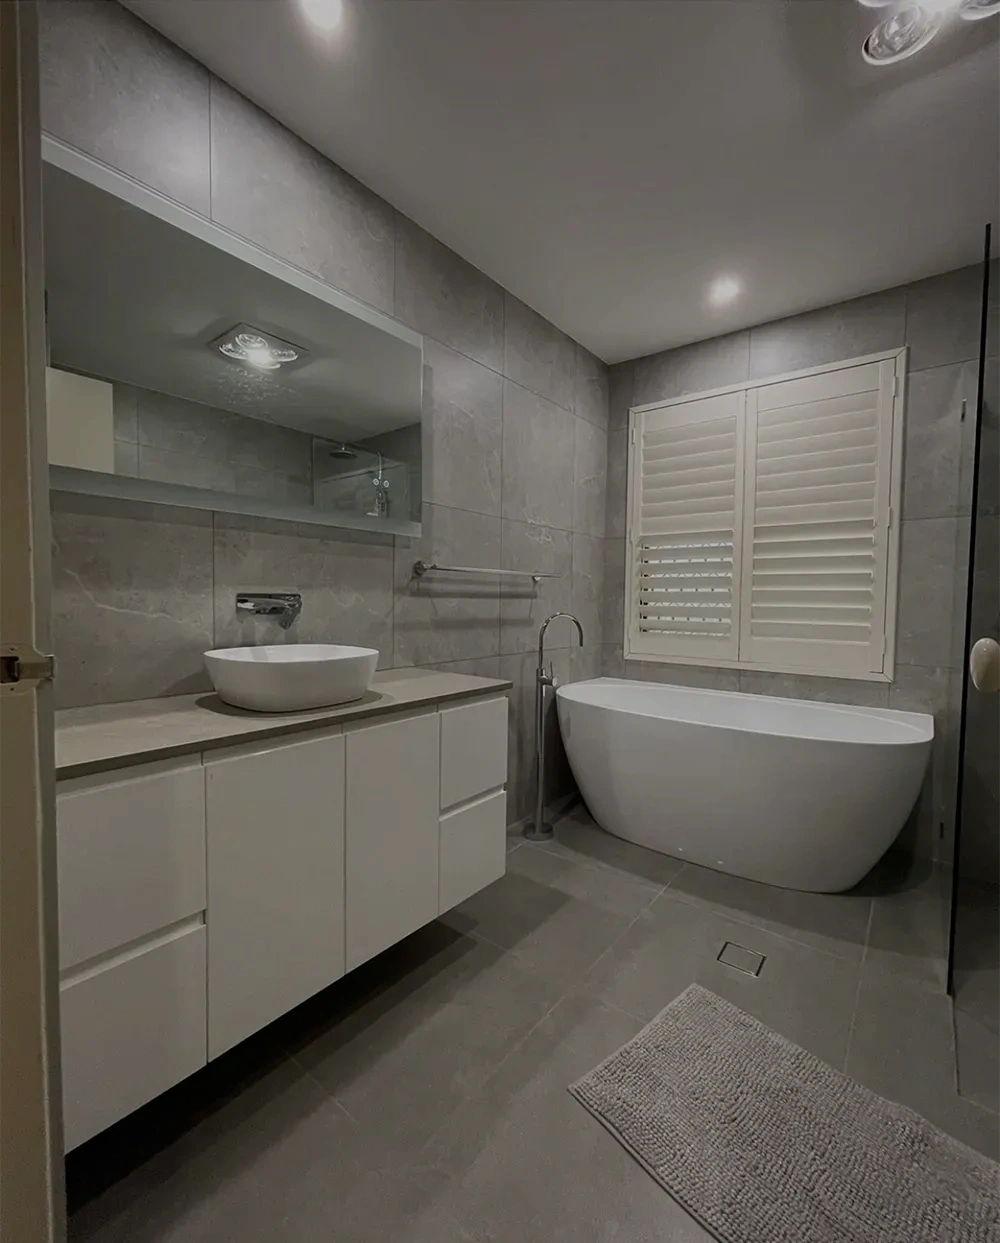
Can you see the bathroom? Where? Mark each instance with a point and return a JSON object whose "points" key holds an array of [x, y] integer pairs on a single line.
{"points": [[419, 1088]]}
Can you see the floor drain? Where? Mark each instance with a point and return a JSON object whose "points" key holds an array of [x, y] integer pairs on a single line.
{"points": [[740, 958]]}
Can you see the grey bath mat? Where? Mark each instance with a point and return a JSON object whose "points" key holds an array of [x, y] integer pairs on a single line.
{"points": [[764, 1143]]}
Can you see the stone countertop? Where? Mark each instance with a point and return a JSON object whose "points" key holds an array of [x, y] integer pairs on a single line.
{"points": [[109, 736]]}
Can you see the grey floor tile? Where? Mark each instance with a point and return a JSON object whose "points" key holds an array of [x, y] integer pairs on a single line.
{"points": [[834, 922], [978, 1055], [557, 915], [977, 954], [406, 1055], [806, 995], [524, 1161], [907, 937], [577, 837]]}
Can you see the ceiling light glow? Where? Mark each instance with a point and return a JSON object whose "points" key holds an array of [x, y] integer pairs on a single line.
{"points": [[250, 345], [325, 15], [724, 290], [975, 10], [904, 33]]}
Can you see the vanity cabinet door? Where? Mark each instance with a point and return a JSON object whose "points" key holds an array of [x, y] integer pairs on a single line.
{"points": [[275, 822], [392, 832]]}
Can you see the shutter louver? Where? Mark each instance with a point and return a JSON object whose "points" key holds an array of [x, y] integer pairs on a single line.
{"points": [[817, 488], [688, 499]]}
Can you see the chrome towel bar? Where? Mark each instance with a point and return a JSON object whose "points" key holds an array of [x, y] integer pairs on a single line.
{"points": [[420, 568]]}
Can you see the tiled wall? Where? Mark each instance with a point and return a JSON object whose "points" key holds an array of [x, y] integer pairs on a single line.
{"points": [[939, 319], [516, 416]]}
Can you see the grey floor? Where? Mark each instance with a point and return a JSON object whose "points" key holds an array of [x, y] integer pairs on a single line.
{"points": [[424, 1097]]}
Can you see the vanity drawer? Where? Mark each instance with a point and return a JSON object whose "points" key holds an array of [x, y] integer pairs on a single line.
{"points": [[131, 856], [130, 1030], [473, 750], [473, 848]]}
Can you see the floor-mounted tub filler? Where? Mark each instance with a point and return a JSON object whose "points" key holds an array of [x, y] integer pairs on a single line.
{"points": [[798, 794]]}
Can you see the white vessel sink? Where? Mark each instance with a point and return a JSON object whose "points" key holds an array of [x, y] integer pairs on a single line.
{"points": [[291, 677]]}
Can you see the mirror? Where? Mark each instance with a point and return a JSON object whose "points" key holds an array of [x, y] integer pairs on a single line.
{"points": [[188, 367]]}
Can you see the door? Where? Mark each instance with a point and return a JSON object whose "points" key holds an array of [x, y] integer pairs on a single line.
{"points": [[31, 1195], [974, 948]]}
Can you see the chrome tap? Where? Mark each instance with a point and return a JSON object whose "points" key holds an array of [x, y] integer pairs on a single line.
{"points": [[537, 830]]}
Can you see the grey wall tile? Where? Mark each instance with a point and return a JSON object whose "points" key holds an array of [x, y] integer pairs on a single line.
{"points": [[523, 604], [943, 317], [586, 663], [928, 574], [931, 690], [613, 618], [463, 431], [934, 434], [829, 335], [615, 509], [442, 295], [988, 499], [131, 600], [821, 690], [590, 476], [338, 229], [114, 88], [591, 399], [537, 355], [195, 472], [621, 393], [612, 661], [126, 458], [692, 368], [447, 617], [538, 450], [701, 676], [124, 401], [345, 580], [588, 586], [175, 425], [521, 766]]}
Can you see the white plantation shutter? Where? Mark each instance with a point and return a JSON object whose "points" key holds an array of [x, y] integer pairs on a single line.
{"points": [[817, 470], [686, 474]]}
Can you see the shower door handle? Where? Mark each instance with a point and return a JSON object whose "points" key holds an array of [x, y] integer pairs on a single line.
{"points": [[984, 665]]}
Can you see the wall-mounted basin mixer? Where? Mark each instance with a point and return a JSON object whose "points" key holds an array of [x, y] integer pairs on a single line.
{"points": [[284, 606], [538, 830]]}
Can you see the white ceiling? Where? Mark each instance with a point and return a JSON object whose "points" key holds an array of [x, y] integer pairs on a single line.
{"points": [[606, 159]]}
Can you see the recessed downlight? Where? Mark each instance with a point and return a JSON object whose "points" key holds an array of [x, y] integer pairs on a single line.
{"points": [[325, 15], [723, 290], [901, 35]]}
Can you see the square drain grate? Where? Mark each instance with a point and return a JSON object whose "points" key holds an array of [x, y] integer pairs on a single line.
{"points": [[740, 958]]}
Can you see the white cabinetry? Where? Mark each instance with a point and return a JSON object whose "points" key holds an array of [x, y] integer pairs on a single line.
{"points": [[473, 848], [275, 817], [392, 833]]}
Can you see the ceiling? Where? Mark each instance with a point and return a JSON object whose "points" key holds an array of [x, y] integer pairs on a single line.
{"points": [[605, 160]]}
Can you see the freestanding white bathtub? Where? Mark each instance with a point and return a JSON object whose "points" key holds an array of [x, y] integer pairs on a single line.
{"points": [[798, 794]]}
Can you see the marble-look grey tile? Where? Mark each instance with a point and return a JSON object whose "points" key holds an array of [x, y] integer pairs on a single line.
{"points": [[537, 355], [442, 295], [126, 458], [537, 459], [943, 315], [175, 425], [621, 394], [591, 396], [271, 485], [822, 690], [131, 599], [339, 231], [612, 661], [185, 468], [521, 734], [916, 688], [447, 617], [345, 579], [829, 335], [267, 446], [616, 504], [695, 368], [930, 569], [934, 432], [463, 431], [588, 585], [907, 935], [113, 87], [919, 689], [525, 605], [699, 676], [125, 412], [590, 476], [585, 662], [988, 498], [478, 667], [613, 616], [978, 1053], [577, 836]]}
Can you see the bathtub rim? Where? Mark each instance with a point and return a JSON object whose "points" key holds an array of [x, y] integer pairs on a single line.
{"points": [[921, 723]]}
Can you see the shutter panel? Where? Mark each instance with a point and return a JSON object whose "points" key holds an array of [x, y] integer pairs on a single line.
{"points": [[816, 531], [686, 504]]}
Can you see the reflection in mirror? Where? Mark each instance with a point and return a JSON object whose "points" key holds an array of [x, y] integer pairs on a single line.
{"points": [[186, 366]]}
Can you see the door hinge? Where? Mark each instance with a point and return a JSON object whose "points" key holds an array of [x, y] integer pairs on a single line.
{"points": [[895, 386], [20, 663]]}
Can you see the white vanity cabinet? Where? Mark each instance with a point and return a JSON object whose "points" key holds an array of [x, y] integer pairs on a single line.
{"points": [[275, 821], [202, 897]]}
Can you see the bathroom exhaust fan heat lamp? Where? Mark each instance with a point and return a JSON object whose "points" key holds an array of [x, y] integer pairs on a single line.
{"points": [[911, 27], [257, 348]]}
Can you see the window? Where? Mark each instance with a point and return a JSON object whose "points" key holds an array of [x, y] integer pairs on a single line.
{"points": [[760, 524]]}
